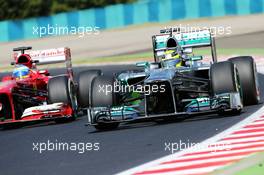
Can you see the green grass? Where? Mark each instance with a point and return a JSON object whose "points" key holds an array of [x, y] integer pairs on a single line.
{"points": [[233, 51], [253, 165]]}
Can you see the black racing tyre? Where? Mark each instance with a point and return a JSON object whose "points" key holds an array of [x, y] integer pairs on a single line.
{"points": [[58, 90], [85, 79], [62, 90], [6, 108], [248, 78], [223, 78], [106, 126], [102, 92]]}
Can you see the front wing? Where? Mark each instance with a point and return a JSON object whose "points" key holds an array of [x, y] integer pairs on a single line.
{"points": [[42, 113], [220, 103]]}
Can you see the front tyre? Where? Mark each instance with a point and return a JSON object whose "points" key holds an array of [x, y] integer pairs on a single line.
{"points": [[103, 92], [248, 77], [225, 79]]}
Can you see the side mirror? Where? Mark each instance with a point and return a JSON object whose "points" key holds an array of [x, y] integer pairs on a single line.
{"points": [[188, 50], [35, 61], [143, 64], [196, 58]]}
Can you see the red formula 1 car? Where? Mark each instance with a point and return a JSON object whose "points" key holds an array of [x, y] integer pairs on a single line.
{"points": [[31, 95]]}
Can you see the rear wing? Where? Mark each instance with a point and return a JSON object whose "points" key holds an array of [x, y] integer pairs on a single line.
{"points": [[48, 56], [192, 39]]}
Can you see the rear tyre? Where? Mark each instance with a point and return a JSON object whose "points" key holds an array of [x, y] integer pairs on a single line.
{"points": [[248, 77], [84, 86], [62, 90], [58, 90]]}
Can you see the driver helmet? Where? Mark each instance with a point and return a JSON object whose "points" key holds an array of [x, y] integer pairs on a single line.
{"points": [[172, 59], [171, 56], [21, 72]]}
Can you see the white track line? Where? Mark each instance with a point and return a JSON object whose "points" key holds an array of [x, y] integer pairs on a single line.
{"points": [[251, 129], [247, 134], [257, 123], [191, 172], [189, 163], [209, 141], [251, 139]]}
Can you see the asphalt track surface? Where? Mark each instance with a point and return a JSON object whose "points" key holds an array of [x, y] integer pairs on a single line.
{"points": [[120, 149]]}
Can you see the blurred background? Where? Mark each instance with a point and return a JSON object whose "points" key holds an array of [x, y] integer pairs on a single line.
{"points": [[118, 32], [102, 31], [11, 9]]}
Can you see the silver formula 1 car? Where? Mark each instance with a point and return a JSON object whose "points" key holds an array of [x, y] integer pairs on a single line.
{"points": [[177, 84]]}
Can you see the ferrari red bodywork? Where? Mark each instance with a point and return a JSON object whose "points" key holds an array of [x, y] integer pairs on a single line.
{"points": [[26, 99]]}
